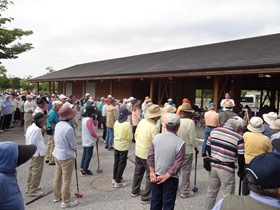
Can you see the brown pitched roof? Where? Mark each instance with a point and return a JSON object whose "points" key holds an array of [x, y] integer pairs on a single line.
{"points": [[257, 52]]}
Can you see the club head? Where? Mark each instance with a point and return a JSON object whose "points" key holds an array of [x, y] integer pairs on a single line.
{"points": [[99, 170], [194, 189], [79, 194]]}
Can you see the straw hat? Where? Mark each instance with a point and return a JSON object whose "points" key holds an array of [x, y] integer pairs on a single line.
{"points": [[154, 111], [228, 104], [186, 107], [256, 125], [147, 99], [275, 125], [61, 96], [169, 109], [131, 99], [270, 117]]}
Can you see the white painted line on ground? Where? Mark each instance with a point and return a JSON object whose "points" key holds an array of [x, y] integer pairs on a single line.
{"points": [[202, 140]]}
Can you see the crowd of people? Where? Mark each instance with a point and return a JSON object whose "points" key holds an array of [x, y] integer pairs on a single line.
{"points": [[228, 139], [231, 139]]}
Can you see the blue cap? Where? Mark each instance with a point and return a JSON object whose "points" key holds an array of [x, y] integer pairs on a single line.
{"points": [[211, 105], [170, 99], [123, 113], [265, 169]]}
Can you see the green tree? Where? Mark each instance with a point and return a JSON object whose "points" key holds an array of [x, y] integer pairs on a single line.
{"points": [[9, 45], [3, 71], [243, 92], [50, 70], [26, 85], [4, 81], [44, 86], [15, 83]]}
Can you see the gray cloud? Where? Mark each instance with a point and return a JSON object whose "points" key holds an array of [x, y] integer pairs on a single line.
{"points": [[92, 31]]}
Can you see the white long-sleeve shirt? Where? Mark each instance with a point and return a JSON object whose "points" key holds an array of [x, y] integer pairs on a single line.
{"points": [[34, 136], [65, 141]]}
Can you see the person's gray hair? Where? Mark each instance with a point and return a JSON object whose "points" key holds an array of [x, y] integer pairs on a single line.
{"points": [[172, 127], [56, 103], [233, 123], [258, 189]]}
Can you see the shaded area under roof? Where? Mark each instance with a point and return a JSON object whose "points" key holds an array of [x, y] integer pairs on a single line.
{"points": [[256, 52]]}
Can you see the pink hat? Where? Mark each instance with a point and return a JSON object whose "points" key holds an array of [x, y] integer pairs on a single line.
{"points": [[66, 113]]}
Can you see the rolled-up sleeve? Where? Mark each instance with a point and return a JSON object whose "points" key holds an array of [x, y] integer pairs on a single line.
{"points": [[151, 156]]}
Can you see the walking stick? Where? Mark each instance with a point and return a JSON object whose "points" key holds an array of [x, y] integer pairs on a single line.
{"points": [[195, 189], [78, 193], [37, 198], [240, 186], [98, 170]]}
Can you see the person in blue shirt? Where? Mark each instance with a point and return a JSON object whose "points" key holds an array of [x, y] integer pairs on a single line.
{"points": [[12, 156], [6, 113], [170, 102], [276, 145]]}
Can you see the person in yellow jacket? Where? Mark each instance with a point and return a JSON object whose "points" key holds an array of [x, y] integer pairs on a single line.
{"points": [[145, 132], [111, 117], [122, 138]]}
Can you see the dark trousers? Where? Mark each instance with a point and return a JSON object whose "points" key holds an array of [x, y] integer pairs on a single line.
{"points": [[99, 119], [164, 195], [104, 127], [245, 187], [86, 158], [119, 164], [6, 121], [133, 132], [141, 167], [21, 119]]}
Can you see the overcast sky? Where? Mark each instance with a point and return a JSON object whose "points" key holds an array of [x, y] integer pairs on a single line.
{"points": [[70, 32]]}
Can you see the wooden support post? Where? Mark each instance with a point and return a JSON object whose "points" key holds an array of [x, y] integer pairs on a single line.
{"points": [[50, 87], [53, 89], [278, 97], [159, 90], [216, 92], [273, 94], [261, 103], [201, 98], [64, 87], [84, 89], [152, 83], [38, 87], [170, 81], [111, 87], [236, 84]]}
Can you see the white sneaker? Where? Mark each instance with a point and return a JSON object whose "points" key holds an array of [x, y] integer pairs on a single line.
{"points": [[55, 200], [188, 195], [119, 185], [69, 205], [113, 181]]}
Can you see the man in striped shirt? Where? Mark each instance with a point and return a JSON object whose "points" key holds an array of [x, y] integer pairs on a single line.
{"points": [[225, 146]]}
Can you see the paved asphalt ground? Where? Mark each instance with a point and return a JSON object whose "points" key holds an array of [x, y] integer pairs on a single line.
{"points": [[99, 193]]}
